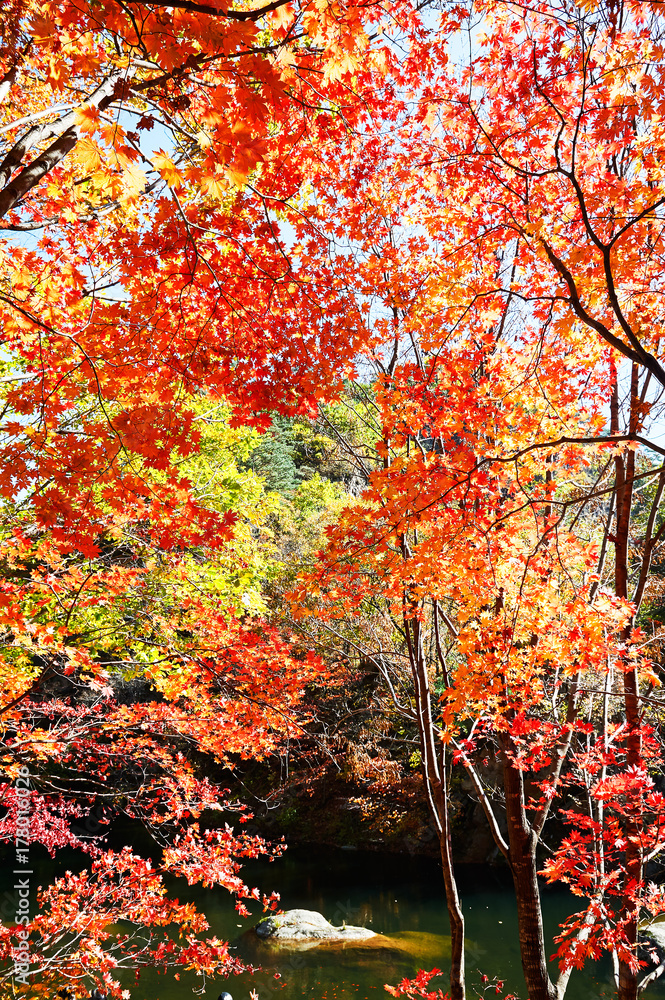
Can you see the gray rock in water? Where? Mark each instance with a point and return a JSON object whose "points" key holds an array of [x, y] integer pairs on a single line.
{"points": [[307, 925]]}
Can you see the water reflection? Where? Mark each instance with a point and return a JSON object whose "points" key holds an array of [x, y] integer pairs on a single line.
{"points": [[400, 897]]}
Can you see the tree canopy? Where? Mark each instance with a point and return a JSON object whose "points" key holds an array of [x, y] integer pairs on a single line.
{"points": [[330, 330]]}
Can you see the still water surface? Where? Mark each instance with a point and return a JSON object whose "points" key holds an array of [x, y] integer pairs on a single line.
{"points": [[401, 897]]}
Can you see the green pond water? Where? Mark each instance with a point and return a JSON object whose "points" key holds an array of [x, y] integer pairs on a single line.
{"points": [[399, 896]]}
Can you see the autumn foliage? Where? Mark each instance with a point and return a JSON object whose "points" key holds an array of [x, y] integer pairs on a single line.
{"points": [[213, 215], [142, 272]]}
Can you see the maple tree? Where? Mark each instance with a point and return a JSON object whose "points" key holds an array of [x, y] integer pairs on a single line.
{"points": [[472, 550], [150, 156], [489, 425], [559, 158], [179, 223], [121, 671]]}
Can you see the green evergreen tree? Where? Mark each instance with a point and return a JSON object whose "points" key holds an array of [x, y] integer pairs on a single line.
{"points": [[273, 458]]}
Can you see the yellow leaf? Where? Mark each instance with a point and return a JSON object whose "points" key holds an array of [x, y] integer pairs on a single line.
{"points": [[134, 182], [283, 16], [237, 174], [167, 168], [203, 140], [87, 154], [215, 185]]}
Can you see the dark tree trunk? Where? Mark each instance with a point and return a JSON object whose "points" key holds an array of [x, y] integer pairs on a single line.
{"points": [[522, 843], [625, 474]]}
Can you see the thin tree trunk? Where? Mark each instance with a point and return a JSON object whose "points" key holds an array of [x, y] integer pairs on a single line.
{"points": [[523, 842], [625, 473], [455, 915], [436, 786]]}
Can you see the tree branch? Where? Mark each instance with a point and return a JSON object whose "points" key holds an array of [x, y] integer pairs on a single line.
{"points": [[636, 353], [33, 172]]}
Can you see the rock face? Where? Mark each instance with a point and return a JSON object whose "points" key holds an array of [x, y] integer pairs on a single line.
{"points": [[307, 925], [656, 931]]}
